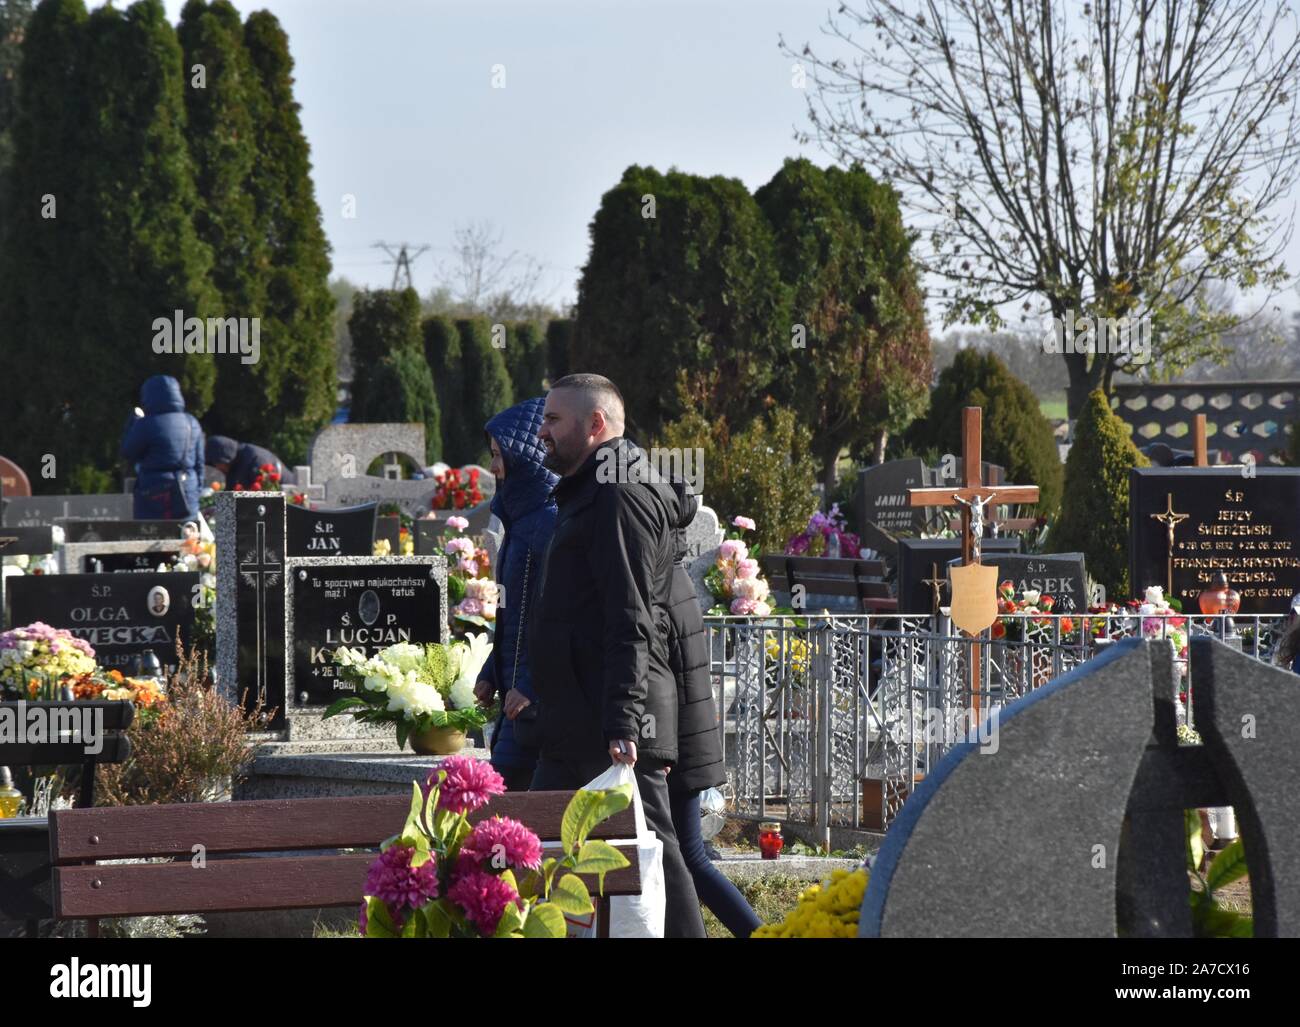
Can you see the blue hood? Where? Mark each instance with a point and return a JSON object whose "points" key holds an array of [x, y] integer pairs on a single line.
{"points": [[527, 484], [161, 394]]}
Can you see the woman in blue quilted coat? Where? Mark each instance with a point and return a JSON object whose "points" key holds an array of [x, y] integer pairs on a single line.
{"points": [[524, 506], [166, 448]]}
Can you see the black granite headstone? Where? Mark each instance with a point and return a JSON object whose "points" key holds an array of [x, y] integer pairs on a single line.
{"points": [[429, 537], [1246, 527], [26, 541], [1060, 575], [122, 616], [341, 531], [389, 527], [31, 511], [81, 530], [250, 598], [366, 604], [920, 558]]}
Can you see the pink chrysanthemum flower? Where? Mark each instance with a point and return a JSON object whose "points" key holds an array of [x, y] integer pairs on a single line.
{"points": [[401, 886], [469, 784], [483, 897], [500, 843]]}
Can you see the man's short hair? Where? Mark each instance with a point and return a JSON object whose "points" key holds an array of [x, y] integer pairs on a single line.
{"points": [[599, 393]]}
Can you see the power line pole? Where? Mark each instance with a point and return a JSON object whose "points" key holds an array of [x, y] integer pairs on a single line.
{"points": [[401, 260]]}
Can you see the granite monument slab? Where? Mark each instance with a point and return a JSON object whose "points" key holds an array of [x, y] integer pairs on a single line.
{"points": [[343, 531], [250, 534], [122, 616], [362, 602], [1220, 520]]}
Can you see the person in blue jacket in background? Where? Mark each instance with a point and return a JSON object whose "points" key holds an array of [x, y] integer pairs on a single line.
{"points": [[525, 508], [166, 447]]}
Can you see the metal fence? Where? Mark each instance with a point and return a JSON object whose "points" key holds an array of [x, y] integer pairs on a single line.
{"points": [[830, 721]]}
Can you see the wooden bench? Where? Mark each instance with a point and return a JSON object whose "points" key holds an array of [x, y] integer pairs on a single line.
{"points": [[24, 841], [861, 579], [234, 879]]}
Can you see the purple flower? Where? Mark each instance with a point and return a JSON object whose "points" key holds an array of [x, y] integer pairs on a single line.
{"points": [[502, 842], [400, 886], [468, 785]]}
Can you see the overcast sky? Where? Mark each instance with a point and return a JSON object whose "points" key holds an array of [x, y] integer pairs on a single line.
{"points": [[400, 111]]}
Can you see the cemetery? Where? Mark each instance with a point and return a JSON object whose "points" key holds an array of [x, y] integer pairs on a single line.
{"points": [[979, 636]]}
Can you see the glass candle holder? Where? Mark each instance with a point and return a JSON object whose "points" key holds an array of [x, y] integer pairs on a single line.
{"points": [[770, 842]]}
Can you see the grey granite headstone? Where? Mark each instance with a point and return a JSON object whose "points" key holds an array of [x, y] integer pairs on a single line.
{"points": [[31, 511], [364, 602], [80, 530], [1070, 823], [250, 534], [342, 453], [141, 555], [703, 536], [882, 497], [1245, 712]]}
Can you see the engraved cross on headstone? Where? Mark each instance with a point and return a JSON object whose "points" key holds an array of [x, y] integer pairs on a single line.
{"points": [[258, 572]]}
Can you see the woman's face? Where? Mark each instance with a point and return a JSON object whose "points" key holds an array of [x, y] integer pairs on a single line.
{"points": [[498, 467]]}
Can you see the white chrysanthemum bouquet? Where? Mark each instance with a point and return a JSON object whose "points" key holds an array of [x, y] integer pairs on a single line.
{"points": [[415, 687]]}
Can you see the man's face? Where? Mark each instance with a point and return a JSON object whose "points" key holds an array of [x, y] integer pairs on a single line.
{"points": [[565, 432]]}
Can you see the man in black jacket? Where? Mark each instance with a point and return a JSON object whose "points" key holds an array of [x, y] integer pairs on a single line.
{"points": [[598, 629]]}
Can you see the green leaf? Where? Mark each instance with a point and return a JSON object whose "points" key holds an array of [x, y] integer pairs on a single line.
{"points": [[599, 858], [403, 730], [587, 809], [1228, 866], [544, 921], [415, 927], [571, 897], [342, 705], [531, 885], [512, 919], [378, 923], [437, 918]]}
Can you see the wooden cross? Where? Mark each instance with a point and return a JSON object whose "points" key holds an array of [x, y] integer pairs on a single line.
{"points": [[971, 487], [1170, 519], [972, 490], [1199, 452]]}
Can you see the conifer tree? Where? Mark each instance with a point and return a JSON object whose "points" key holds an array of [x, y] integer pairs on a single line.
{"points": [[290, 393], [102, 240], [1094, 517], [486, 390]]}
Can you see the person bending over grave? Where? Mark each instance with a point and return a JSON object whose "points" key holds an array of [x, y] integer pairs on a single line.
{"points": [[165, 446], [524, 506], [242, 462], [597, 633]]}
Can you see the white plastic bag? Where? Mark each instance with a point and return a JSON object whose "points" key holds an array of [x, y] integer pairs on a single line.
{"points": [[635, 916]]}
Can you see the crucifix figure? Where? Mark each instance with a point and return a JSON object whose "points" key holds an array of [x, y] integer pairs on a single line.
{"points": [[936, 583], [973, 496], [1170, 519]]}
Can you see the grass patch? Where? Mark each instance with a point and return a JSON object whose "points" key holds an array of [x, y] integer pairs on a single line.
{"points": [[1053, 409], [772, 896]]}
